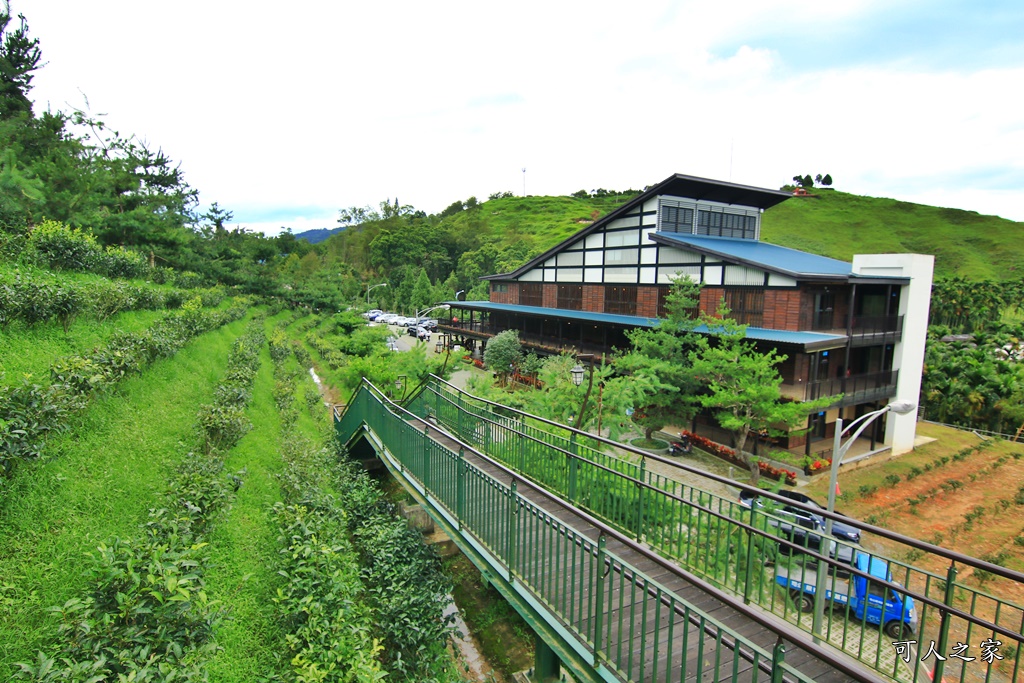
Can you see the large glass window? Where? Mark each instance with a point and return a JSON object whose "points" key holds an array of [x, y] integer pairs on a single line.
{"points": [[620, 299], [531, 294], [571, 297], [746, 306]]}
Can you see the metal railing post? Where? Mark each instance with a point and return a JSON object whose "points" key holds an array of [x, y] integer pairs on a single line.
{"points": [[778, 657], [750, 556], [599, 602], [510, 539], [460, 487], [573, 468], [940, 664], [426, 459], [640, 500]]}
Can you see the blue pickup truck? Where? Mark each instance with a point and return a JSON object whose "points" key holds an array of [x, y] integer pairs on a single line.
{"points": [[869, 601]]}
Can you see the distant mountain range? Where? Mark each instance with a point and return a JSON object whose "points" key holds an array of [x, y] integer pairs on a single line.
{"points": [[318, 235]]}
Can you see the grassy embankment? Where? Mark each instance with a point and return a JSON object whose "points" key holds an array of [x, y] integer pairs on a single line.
{"points": [[96, 482]]}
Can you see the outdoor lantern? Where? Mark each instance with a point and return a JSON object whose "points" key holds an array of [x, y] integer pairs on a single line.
{"points": [[437, 347], [577, 374], [398, 384]]}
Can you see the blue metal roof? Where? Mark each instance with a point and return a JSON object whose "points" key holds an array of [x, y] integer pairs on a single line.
{"points": [[753, 333], [769, 256]]}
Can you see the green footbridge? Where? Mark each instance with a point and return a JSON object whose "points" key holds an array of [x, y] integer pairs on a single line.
{"points": [[628, 569]]}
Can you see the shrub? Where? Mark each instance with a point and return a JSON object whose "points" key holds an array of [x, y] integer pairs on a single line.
{"points": [[892, 480], [122, 263], [62, 248]]}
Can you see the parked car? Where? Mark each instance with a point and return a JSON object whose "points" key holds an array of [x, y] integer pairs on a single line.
{"points": [[392, 343], [804, 528], [428, 323], [372, 313], [423, 333]]}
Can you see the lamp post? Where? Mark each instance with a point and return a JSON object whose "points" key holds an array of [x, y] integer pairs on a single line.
{"points": [[432, 308], [461, 291], [383, 284], [577, 379], [838, 452]]}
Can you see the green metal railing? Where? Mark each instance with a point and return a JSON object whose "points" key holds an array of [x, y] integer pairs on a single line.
{"points": [[627, 623], [741, 550]]}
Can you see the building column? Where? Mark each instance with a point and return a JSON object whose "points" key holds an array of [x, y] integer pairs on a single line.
{"points": [[908, 353]]}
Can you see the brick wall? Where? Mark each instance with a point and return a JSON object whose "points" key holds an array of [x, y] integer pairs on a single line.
{"points": [[509, 297], [593, 298], [782, 309], [647, 301], [710, 298], [550, 296]]}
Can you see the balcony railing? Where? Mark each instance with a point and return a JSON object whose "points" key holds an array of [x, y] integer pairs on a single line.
{"points": [[855, 388], [888, 326]]}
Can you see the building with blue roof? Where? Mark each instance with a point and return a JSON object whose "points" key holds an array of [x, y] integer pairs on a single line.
{"points": [[853, 330]]}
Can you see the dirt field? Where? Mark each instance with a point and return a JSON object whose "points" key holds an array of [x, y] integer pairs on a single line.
{"points": [[954, 495]]}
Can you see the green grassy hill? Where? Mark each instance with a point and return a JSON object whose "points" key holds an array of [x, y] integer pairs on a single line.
{"points": [[539, 222], [837, 224], [831, 223]]}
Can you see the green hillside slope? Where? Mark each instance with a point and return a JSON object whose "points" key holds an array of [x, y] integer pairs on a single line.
{"points": [[831, 223], [539, 222], [837, 224]]}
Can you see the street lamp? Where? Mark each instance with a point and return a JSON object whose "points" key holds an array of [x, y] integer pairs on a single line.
{"points": [[577, 378], [432, 308], [461, 291], [383, 284], [838, 452]]}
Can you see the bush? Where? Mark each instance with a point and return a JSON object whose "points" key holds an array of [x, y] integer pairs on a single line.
{"points": [[62, 248], [122, 263]]}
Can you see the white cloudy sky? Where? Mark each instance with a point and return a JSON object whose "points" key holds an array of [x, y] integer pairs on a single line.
{"points": [[286, 112]]}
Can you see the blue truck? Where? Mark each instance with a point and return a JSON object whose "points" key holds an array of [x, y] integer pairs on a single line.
{"points": [[869, 601]]}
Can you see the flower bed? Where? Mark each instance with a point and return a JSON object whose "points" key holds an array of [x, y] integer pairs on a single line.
{"points": [[729, 455], [816, 465]]}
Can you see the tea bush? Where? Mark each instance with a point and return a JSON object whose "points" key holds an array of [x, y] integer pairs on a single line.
{"points": [[146, 615]]}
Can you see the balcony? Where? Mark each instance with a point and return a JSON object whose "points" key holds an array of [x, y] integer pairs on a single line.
{"points": [[544, 345], [855, 388], [867, 330]]}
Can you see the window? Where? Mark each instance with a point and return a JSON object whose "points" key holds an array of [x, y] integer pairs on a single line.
{"points": [[622, 257], [719, 224], [531, 294], [499, 289], [571, 297], [620, 299], [746, 305], [676, 219]]}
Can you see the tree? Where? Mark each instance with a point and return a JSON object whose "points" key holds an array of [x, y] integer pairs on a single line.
{"points": [[19, 59], [422, 292], [656, 371], [742, 387], [826, 180], [503, 352]]}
